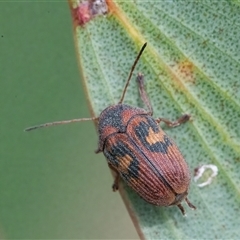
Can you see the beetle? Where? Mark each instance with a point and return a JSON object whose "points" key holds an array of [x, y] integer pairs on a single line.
{"points": [[139, 151]]}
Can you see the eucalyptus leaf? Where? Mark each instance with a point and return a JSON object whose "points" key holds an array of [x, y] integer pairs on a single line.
{"points": [[191, 65]]}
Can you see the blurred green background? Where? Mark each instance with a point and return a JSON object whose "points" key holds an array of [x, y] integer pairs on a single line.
{"points": [[52, 184]]}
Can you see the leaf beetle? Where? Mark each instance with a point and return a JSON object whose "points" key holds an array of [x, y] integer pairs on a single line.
{"points": [[139, 151]]}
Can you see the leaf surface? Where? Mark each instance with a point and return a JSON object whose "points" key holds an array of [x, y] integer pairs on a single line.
{"points": [[191, 65]]}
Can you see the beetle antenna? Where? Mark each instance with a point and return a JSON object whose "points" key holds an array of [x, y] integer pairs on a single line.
{"points": [[131, 72], [59, 123], [91, 119]]}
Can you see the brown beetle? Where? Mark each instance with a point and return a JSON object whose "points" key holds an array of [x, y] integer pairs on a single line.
{"points": [[139, 151]]}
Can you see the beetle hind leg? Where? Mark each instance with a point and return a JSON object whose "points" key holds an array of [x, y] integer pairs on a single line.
{"points": [[190, 204], [181, 208]]}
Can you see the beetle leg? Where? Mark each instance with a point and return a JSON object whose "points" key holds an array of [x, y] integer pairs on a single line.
{"points": [[115, 185], [190, 204], [181, 208], [98, 151], [184, 118], [143, 94]]}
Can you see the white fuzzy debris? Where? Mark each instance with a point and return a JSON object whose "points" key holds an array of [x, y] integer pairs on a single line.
{"points": [[99, 7], [200, 170]]}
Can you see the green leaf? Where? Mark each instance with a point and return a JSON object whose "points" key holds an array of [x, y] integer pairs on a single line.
{"points": [[191, 65]]}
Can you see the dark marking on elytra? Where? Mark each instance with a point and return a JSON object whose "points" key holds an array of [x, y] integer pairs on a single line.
{"points": [[119, 151], [142, 132]]}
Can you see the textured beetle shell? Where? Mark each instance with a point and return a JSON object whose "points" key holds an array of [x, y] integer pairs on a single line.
{"points": [[114, 119], [146, 158]]}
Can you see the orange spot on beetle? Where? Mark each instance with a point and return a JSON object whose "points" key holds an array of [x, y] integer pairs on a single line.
{"points": [[124, 163], [154, 137]]}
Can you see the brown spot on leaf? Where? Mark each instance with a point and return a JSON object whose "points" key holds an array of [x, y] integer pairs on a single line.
{"points": [[185, 69]]}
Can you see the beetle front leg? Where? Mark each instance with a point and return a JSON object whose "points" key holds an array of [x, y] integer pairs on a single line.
{"points": [[115, 185], [143, 94], [98, 151], [184, 118]]}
